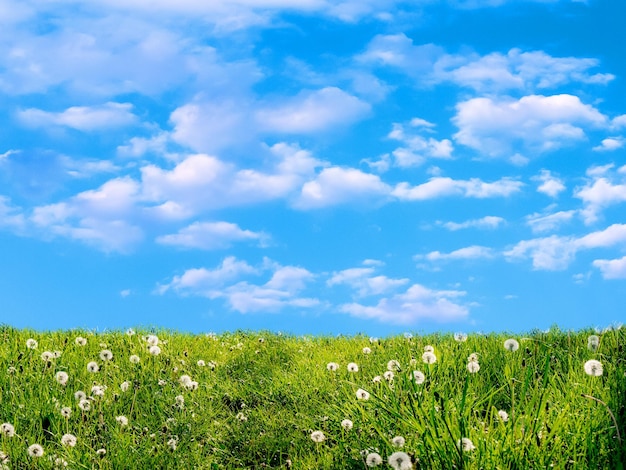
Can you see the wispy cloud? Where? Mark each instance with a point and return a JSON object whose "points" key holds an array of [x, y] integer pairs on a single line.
{"points": [[81, 118], [210, 236]]}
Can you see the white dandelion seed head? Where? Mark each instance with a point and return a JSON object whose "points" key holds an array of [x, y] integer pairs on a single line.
{"points": [[460, 337], [106, 355], [154, 350], [593, 368], [80, 395], [152, 340], [504, 416], [593, 342], [373, 459], [465, 444], [408, 335], [134, 359], [353, 367], [180, 400], [162, 383], [201, 363], [429, 348], [35, 450], [347, 424], [388, 375], [367, 350], [511, 345], [184, 379], [130, 332], [429, 357], [400, 461], [362, 394], [47, 356], [124, 386], [7, 429], [101, 452], [419, 377], [393, 365], [398, 441], [80, 341], [31, 343], [66, 412], [318, 436], [373, 339], [473, 367], [472, 357], [377, 379], [61, 377], [172, 443], [93, 366], [4, 459], [332, 366], [68, 440], [98, 390], [122, 420], [84, 404], [241, 417]]}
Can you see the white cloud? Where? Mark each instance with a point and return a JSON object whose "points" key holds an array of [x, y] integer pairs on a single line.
{"points": [[612, 268], [417, 148], [399, 51], [82, 118], [609, 144], [539, 222], [495, 126], [556, 253], [10, 215], [202, 281], [518, 70], [100, 217], [7, 154], [600, 192], [550, 185], [444, 186], [338, 185], [470, 252], [487, 222], [417, 303], [210, 236], [364, 282], [312, 112]]}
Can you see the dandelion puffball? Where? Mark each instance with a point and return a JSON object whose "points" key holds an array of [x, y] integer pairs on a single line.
{"points": [[593, 368], [511, 345], [318, 436], [400, 461]]}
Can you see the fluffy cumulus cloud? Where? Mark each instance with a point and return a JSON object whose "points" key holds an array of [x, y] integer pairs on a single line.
{"points": [[431, 64], [557, 252], [612, 268], [365, 282], [495, 126], [102, 217], [604, 187], [210, 236], [417, 303], [550, 184], [445, 186], [10, 215], [283, 288], [337, 185], [312, 112], [81, 118], [609, 144], [417, 147]]}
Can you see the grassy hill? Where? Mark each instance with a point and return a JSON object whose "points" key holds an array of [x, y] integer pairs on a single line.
{"points": [[162, 399]]}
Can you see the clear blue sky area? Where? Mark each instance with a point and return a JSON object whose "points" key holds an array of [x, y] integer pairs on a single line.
{"points": [[313, 166]]}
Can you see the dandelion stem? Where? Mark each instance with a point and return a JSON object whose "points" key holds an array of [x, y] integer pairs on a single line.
{"points": [[619, 438]]}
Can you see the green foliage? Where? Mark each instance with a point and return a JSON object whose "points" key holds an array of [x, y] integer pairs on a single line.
{"points": [[254, 399]]}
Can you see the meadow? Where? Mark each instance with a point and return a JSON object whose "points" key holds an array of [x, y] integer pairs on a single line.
{"points": [[162, 399]]}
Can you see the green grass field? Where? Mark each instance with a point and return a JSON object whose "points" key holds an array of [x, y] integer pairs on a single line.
{"points": [[161, 399]]}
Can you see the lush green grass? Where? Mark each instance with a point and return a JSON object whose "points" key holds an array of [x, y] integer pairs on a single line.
{"points": [[267, 393]]}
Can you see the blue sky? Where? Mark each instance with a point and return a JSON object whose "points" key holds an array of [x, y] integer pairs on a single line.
{"points": [[320, 166]]}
